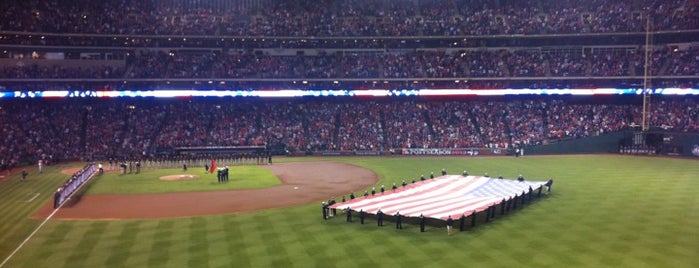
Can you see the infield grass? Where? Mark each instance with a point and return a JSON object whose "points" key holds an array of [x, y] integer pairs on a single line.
{"points": [[148, 181], [604, 211]]}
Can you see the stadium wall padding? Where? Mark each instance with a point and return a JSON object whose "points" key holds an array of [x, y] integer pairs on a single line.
{"points": [[688, 144], [605, 143]]}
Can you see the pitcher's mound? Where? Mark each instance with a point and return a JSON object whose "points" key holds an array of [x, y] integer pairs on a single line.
{"points": [[180, 177], [316, 181]]}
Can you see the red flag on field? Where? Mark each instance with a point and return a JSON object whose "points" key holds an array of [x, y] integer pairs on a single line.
{"points": [[213, 166]]}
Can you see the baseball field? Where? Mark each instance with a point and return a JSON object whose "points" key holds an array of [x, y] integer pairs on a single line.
{"points": [[603, 211]]}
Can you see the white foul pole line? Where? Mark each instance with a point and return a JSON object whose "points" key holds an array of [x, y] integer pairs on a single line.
{"points": [[28, 237], [42, 224], [32, 199]]}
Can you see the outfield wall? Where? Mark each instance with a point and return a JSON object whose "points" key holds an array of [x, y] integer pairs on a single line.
{"points": [[605, 143], [676, 144], [687, 143]]}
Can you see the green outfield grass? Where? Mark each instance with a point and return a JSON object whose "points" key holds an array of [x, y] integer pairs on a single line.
{"points": [[148, 181], [605, 211]]}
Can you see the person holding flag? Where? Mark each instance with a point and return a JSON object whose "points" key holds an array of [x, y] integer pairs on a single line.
{"points": [[450, 222]]}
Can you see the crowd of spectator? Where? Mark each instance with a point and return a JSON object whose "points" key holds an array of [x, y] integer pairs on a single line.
{"points": [[45, 133], [154, 27], [143, 128], [349, 18], [683, 62], [582, 120], [51, 130], [149, 64], [59, 72], [406, 125], [378, 65], [681, 114]]}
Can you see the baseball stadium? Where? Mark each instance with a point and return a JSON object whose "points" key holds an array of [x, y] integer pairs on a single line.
{"points": [[387, 133]]}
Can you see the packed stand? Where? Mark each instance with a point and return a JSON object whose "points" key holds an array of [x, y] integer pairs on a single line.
{"points": [[33, 133], [534, 63], [453, 125], [141, 128], [406, 125], [679, 115], [361, 129], [350, 18], [35, 71], [567, 120]]}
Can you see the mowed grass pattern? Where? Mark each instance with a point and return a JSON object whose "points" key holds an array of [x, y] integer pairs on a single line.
{"points": [[19, 200], [605, 211], [148, 181]]}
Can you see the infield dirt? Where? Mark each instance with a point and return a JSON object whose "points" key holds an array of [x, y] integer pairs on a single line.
{"points": [[302, 183]]}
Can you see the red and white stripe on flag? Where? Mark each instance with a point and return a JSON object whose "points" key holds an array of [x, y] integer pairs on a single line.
{"points": [[445, 196]]}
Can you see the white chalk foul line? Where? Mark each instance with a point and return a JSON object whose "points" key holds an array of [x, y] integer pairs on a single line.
{"points": [[40, 225], [32, 199], [28, 237]]}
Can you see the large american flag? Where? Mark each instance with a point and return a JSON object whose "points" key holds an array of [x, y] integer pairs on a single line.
{"points": [[439, 198]]}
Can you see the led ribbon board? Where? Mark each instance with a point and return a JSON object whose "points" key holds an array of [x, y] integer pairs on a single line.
{"points": [[291, 93]]}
